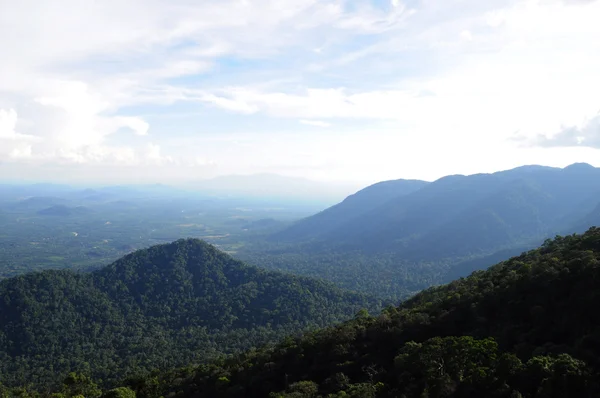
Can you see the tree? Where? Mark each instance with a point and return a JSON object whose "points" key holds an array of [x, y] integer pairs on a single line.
{"points": [[120, 392], [77, 384]]}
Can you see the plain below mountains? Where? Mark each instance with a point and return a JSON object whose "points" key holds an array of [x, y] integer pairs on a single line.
{"points": [[168, 305]]}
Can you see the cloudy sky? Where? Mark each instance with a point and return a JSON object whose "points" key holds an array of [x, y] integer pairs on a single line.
{"points": [[362, 90]]}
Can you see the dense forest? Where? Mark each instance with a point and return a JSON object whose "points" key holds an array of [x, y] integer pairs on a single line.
{"points": [[355, 205], [480, 212], [527, 327], [432, 233], [161, 307]]}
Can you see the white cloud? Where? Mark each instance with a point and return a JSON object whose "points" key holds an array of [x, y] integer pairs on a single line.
{"points": [[316, 103], [232, 104], [20, 152], [466, 35], [8, 122], [154, 155], [316, 123], [534, 72], [201, 161], [104, 76], [136, 124], [586, 134], [12, 144]]}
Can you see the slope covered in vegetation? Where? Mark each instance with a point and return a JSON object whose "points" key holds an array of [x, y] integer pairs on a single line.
{"points": [[165, 306], [527, 327], [353, 206], [429, 236]]}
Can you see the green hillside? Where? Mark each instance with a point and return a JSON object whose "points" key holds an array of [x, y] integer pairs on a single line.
{"points": [[165, 306], [427, 236], [476, 214], [527, 327], [352, 207]]}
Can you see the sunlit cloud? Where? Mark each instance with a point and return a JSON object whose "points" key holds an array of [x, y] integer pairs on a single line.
{"points": [[334, 89]]}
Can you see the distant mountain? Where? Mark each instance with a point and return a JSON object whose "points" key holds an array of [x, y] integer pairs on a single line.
{"points": [[470, 215], [592, 218], [39, 202], [444, 229], [352, 207], [63, 211], [262, 224], [273, 186], [18, 191], [92, 195], [167, 305]]}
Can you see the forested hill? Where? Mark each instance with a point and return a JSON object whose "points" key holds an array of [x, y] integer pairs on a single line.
{"points": [[353, 206], [527, 327], [441, 231], [165, 306], [462, 216]]}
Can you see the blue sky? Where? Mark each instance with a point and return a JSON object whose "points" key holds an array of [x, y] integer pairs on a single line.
{"points": [[348, 91]]}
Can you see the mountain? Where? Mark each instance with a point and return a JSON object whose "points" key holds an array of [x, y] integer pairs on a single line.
{"points": [[591, 218], [63, 211], [168, 305], [527, 327], [353, 206], [480, 213], [39, 202], [15, 191], [497, 209], [429, 235]]}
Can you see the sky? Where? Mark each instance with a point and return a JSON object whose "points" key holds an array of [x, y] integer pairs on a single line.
{"points": [[336, 91]]}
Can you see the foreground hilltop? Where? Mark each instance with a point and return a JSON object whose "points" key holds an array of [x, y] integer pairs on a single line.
{"points": [[165, 306], [527, 327]]}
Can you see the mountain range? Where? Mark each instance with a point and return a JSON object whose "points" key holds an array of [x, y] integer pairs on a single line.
{"points": [[362, 202], [420, 233], [479, 213]]}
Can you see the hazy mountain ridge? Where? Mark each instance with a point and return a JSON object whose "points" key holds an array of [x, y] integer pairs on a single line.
{"points": [[350, 208], [62, 210], [478, 213], [428, 236]]}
